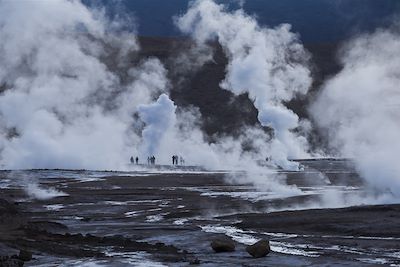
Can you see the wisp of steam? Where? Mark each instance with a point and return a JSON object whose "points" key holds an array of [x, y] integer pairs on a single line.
{"points": [[32, 186]]}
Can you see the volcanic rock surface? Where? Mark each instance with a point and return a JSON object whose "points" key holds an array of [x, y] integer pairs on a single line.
{"points": [[169, 218]]}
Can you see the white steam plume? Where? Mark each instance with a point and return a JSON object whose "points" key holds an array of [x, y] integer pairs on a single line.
{"points": [[268, 64], [62, 107], [160, 119], [359, 108]]}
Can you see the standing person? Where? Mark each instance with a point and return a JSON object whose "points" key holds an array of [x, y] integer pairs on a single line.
{"points": [[132, 159], [137, 160], [148, 160], [182, 160], [173, 159], [154, 160]]}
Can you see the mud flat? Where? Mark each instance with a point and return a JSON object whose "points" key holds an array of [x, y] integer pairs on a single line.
{"points": [[168, 219]]}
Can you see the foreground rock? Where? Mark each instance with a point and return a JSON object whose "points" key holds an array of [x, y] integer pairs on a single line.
{"points": [[259, 249], [11, 261], [25, 255], [223, 245]]}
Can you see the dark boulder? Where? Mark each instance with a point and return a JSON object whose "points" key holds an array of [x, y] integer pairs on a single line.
{"points": [[25, 255], [259, 249], [194, 261], [223, 245]]}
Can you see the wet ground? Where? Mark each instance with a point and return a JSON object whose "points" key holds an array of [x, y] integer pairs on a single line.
{"points": [[168, 218]]}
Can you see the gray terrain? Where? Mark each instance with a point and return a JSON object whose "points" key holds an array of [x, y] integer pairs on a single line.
{"points": [[169, 216]]}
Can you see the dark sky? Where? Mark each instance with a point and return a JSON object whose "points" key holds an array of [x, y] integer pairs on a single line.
{"points": [[315, 20]]}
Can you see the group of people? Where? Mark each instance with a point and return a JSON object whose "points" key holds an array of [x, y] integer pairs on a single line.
{"points": [[133, 160], [151, 160], [175, 159]]}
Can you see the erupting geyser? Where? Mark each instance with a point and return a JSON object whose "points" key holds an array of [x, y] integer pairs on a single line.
{"points": [[160, 119]]}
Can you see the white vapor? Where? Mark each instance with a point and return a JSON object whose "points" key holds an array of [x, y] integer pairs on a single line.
{"points": [[268, 64], [359, 108], [32, 187], [36, 191], [159, 118], [62, 107]]}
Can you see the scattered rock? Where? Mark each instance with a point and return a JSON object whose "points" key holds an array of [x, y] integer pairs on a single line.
{"points": [[13, 261], [25, 255], [78, 236], [7, 208], [259, 249], [194, 262], [48, 226], [223, 245]]}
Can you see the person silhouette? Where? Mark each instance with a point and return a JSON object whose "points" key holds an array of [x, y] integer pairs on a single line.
{"points": [[137, 160]]}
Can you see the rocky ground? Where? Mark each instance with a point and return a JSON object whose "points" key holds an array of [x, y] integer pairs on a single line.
{"points": [[150, 218]]}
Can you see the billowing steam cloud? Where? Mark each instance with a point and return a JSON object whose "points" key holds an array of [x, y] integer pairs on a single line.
{"points": [[61, 106], [70, 97], [268, 64], [360, 108], [159, 118]]}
